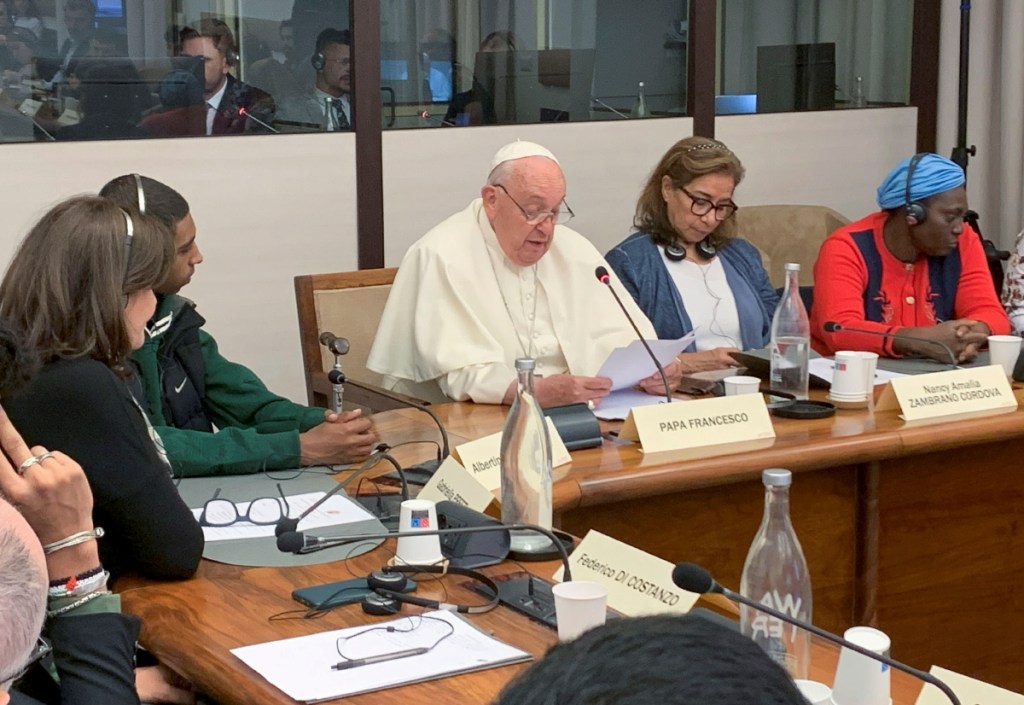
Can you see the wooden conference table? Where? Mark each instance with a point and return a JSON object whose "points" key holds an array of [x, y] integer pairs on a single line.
{"points": [[916, 528], [192, 625]]}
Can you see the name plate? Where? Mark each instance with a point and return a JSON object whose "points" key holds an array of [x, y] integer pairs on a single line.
{"points": [[968, 690], [704, 422], [482, 457], [638, 583], [945, 393], [454, 483]]}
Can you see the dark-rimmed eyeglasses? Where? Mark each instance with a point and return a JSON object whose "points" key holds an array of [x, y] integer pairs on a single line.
{"points": [[559, 217], [702, 206], [41, 650], [261, 511]]}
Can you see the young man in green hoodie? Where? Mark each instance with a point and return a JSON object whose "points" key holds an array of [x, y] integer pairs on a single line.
{"points": [[216, 416]]}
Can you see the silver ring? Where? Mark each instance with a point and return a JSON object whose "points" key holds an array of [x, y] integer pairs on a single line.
{"points": [[27, 463], [43, 456], [590, 404]]}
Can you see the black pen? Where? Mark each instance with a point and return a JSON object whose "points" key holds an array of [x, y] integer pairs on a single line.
{"points": [[380, 658]]}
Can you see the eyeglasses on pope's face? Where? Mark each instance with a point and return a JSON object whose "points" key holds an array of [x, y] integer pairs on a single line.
{"points": [[262, 511], [559, 217]]}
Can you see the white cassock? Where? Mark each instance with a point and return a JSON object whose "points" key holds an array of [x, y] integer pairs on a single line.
{"points": [[460, 313]]}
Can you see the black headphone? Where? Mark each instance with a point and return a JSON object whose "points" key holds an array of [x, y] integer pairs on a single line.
{"points": [[705, 249], [318, 60], [916, 211], [387, 598]]}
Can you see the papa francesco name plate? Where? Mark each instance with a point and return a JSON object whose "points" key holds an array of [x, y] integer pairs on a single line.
{"points": [[946, 393], [704, 422]]}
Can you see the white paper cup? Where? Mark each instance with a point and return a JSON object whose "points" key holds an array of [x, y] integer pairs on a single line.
{"points": [[870, 366], [1003, 350], [580, 605], [740, 384], [816, 693], [849, 379], [859, 679]]}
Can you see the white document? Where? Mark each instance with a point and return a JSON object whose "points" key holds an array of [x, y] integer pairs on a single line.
{"points": [[616, 406], [337, 510], [302, 667], [825, 367], [627, 366]]}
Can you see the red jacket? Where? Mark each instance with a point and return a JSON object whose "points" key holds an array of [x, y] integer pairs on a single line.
{"points": [[854, 259]]}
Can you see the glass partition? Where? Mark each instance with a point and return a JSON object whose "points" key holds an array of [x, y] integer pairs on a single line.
{"points": [[785, 56], [456, 63], [130, 69]]}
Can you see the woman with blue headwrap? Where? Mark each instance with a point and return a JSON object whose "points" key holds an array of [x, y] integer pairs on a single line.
{"points": [[913, 268]]}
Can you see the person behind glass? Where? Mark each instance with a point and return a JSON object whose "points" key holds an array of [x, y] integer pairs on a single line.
{"points": [[21, 48], [476, 106], [181, 111], [232, 106], [80, 289], [913, 267], [111, 101], [26, 14], [664, 659], [327, 104], [80, 22], [214, 415], [5, 16], [684, 265]]}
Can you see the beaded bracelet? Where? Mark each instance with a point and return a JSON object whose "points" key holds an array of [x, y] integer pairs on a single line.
{"points": [[73, 540], [77, 603], [82, 584], [81, 576]]}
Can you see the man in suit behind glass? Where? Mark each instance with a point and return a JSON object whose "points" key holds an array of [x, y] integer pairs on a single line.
{"points": [[80, 23], [327, 103], [226, 97]]}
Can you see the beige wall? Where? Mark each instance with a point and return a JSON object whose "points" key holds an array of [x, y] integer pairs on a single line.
{"points": [[269, 208]]}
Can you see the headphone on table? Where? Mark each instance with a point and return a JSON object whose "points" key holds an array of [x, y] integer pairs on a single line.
{"points": [[387, 598], [704, 248], [916, 211]]}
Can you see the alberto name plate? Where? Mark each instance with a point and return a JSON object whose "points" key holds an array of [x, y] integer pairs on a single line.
{"points": [[704, 422], [945, 393], [482, 457], [638, 583]]}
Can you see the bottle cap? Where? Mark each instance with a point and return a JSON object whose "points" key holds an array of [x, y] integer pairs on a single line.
{"points": [[792, 266], [525, 363], [776, 477]]}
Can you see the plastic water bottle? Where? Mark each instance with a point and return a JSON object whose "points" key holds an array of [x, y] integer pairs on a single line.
{"points": [[859, 99], [640, 105], [526, 465], [791, 338], [775, 574]]}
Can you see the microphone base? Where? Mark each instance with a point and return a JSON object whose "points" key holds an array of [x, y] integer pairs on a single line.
{"points": [[418, 474], [515, 593], [386, 508]]}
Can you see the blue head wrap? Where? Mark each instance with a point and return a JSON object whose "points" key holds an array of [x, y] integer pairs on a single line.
{"points": [[932, 174]]}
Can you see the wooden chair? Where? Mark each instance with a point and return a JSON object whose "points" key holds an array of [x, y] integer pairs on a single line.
{"points": [[788, 234], [348, 304]]}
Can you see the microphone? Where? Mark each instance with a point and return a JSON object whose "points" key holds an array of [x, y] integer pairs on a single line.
{"points": [[425, 115], [300, 542], [244, 112], [602, 276], [430, 466], [833, 327], [336, 344], [693, 578], [288, 524]]}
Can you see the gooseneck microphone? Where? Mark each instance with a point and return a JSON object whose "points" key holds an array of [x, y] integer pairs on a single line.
{"points": [[289, 524], [693, 578], [833, 327], [602, 276], [299, 542], [244, 112], [444, 451]]}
